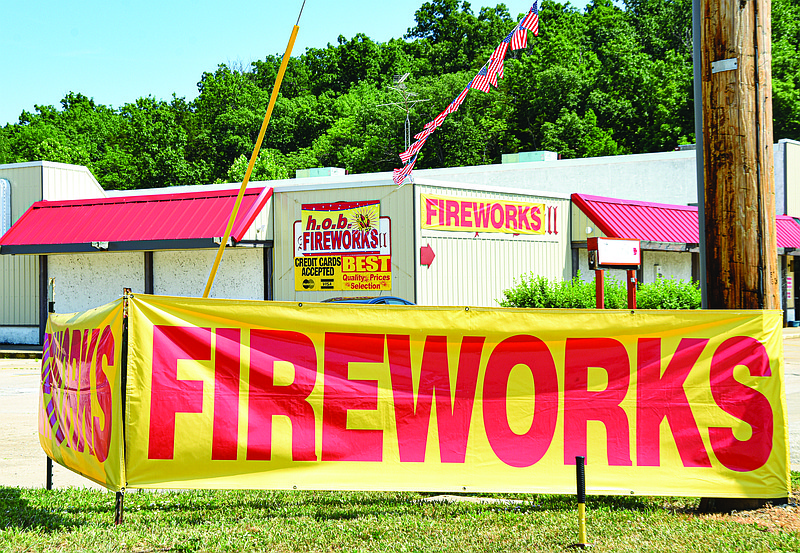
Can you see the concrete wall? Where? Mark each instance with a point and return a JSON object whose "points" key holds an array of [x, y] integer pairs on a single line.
{"points": [[185, 273], [677, 265], [85, 281], [642, 177]]}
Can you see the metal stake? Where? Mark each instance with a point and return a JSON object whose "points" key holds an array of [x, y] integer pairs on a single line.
{"points": [[118, 507], [580, 461]]}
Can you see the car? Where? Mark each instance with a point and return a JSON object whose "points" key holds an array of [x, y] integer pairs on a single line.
{"points": [[384, 300]]}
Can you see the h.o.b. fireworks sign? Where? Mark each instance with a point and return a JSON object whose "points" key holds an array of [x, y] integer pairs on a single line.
{"points": [[342, 246]]}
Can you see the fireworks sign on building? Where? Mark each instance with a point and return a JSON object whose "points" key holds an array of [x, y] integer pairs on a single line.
{"points": [[342, 246]]}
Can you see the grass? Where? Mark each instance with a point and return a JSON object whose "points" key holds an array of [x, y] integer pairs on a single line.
{"points": [[82, 520]]}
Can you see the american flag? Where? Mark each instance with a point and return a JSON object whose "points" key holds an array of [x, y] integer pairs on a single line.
{"points": [[436, 123], [455, 104], [496, 62], [531, 20], [399, 175], [481, 81], [416, 146], [520, 38], [486, 77]]}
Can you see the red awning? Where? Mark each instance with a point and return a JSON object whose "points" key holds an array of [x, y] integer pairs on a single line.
{"points": [[661, 222], [186, 220]]}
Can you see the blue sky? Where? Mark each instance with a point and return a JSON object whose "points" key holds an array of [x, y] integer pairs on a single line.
{"points": [[116, 52]]}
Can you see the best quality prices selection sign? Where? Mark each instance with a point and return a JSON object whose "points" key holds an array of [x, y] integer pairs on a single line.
{"points": [[342, 246]]}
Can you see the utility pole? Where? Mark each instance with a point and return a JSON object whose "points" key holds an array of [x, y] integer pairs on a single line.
{"points": [[741, 247]]}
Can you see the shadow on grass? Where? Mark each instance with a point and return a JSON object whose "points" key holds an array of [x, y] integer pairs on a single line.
{"points": [[18, 512], [200, 506]]}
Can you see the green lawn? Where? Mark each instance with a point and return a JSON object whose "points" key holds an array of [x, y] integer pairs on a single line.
{"points": [[82, 520]]}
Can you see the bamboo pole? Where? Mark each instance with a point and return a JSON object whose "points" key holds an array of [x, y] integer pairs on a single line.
{"points": [[253, 156]]}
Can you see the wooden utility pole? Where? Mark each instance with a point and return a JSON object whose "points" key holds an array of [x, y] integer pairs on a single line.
{"points": [[741, 248], [741, 256]]}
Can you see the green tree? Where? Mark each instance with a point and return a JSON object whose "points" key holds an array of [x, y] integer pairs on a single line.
{"points": [[269, 165], [230, 108]]}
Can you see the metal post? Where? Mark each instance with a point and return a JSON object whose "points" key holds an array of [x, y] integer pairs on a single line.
{"points": [[118, 508], [632, 289], [51, 308], [698, 140], [598, 289], [580, 461]]}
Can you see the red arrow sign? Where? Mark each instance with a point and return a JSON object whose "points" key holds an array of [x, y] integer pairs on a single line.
{"points": [[426, 255]]}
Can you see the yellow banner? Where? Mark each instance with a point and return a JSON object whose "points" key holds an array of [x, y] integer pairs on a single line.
{"points": [[80, 407], [236, 394], [482, 215]]}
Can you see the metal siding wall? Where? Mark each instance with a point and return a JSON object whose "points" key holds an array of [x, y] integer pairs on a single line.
{"points": [[475, 271], [69, 182], [396, 203], [19, 290], [26, 188], [19, 274], [264, 220], [580, 222]]}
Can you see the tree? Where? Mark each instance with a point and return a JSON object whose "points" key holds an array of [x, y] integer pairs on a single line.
{"points": [[269, 165]]}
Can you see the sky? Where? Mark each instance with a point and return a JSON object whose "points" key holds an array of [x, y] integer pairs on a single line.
{"points": [[116, 52]]}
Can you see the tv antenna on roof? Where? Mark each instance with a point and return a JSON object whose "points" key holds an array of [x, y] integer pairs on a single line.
{"points": [[401, 88]]}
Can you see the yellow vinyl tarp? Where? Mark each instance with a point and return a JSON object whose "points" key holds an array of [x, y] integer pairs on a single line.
{"points": [[80, 406], [239, 394]]}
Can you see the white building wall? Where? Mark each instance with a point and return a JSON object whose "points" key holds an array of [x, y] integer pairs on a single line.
{"points": [[474, 270], [677, 265], [28, 335], [61, 181], [396, 203], [85, 281], [185, 273], [632, 177]]}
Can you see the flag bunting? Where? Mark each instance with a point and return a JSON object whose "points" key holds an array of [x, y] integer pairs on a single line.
{"points": [[483, 81]]}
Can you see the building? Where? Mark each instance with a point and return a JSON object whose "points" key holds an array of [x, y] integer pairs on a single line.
{"points": [[456, 236]]}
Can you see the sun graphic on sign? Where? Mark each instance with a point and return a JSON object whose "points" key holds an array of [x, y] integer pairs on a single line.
{"points": [[364, 218]]}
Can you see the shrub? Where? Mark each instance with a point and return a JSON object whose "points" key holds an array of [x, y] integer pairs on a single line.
{"points": [[539, 292], [668, 294]]}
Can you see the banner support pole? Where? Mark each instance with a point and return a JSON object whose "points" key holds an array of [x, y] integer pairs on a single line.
{"points": [[254, 156], [119, 503], [119, 500], [51, 308], [580, 474]]}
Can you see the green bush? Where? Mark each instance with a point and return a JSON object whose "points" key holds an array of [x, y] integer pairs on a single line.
{"points": [[668, 293], [539, 292]]}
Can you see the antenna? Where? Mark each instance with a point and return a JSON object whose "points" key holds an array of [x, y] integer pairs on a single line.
{"points": [[401, 88]]}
